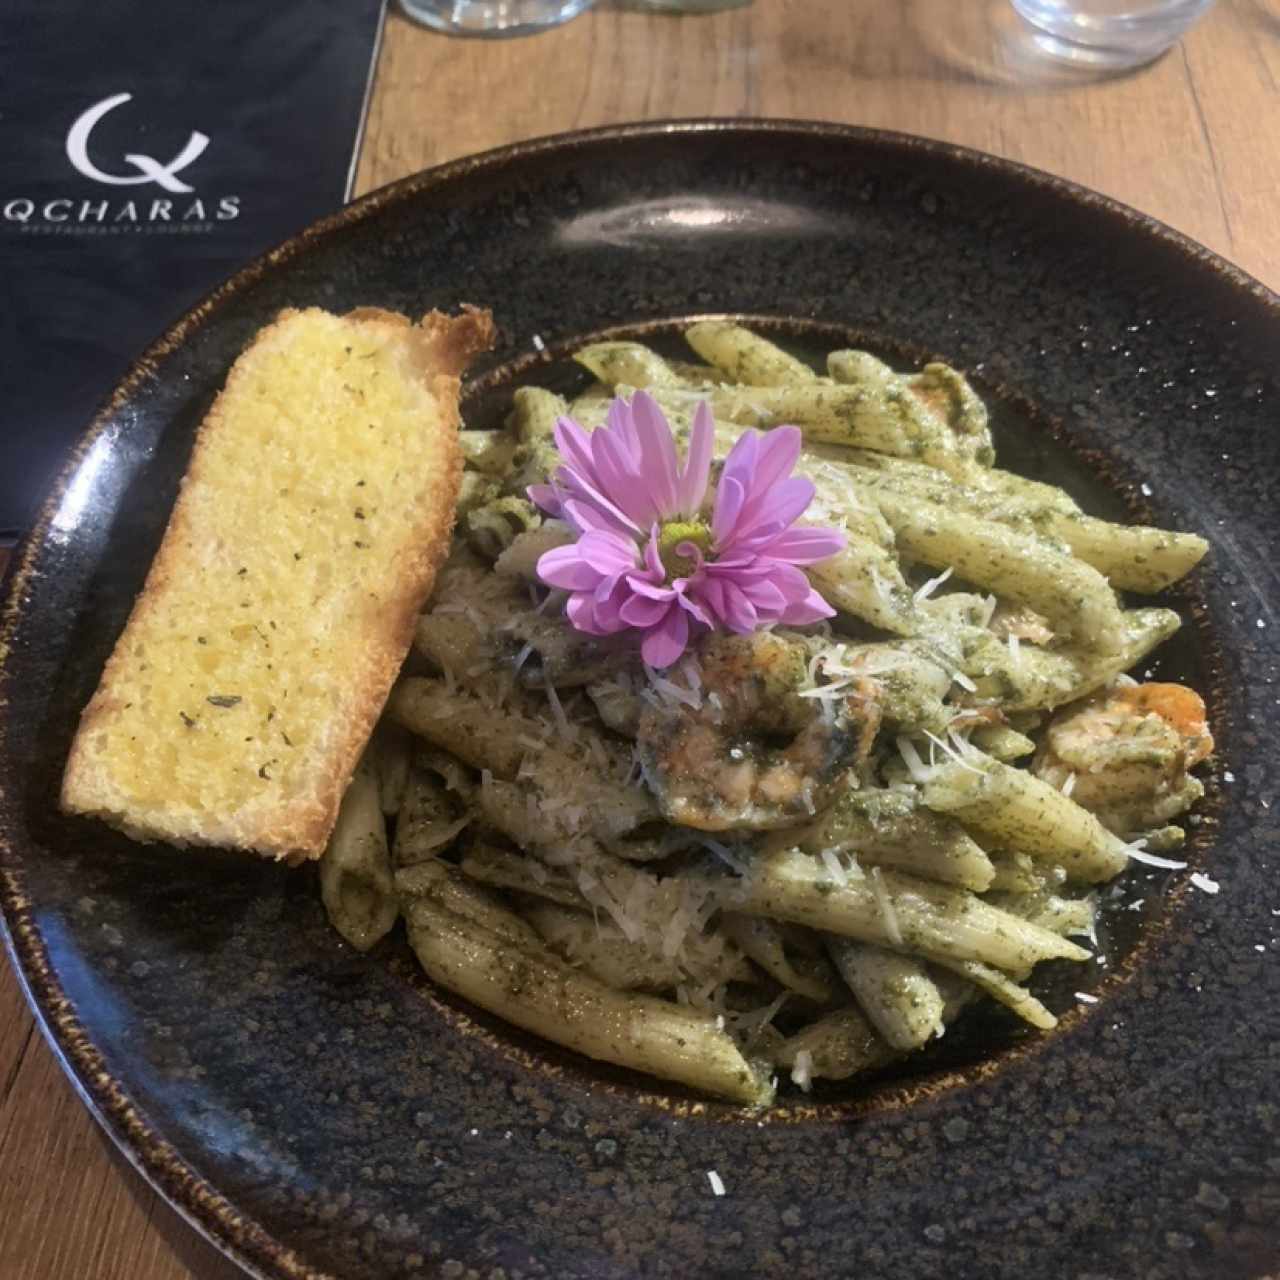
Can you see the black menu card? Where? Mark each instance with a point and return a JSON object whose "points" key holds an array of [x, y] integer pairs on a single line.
{"points": [[148, 148]]}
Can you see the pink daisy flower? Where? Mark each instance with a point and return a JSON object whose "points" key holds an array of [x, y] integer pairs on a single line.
{"points": [[649, 559]]}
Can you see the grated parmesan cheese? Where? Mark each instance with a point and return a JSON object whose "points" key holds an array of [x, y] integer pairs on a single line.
{"points": [[953, 751], [1069, 784], [717, 1187], [1085, 998], [538, 343], [563, 726], [932, 585], [553, 598], [831, 860], [911, 758], [1203, 883], [802, 1072], [885, 903], [669, 692], [726, 855], [1137, 851]]}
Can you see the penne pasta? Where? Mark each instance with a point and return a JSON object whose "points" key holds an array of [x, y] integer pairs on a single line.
{"points": [[1074, 596], [521, 556], [892, 828], [491, 452], [763, 941], [1005, 990], [474, 731], [537, 991], [739, 355], [1018, 810], [429, 820], [894, 991], [355, 870], [802, 845], [627, 364], [912, 915], [835, 1047], [606, 953], [534, 415]]}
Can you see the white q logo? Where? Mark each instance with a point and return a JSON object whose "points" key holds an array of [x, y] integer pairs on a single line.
{"points": [[149, 170]]}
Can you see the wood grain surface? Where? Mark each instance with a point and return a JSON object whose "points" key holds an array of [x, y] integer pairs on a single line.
{"points": [[1193, 139]]}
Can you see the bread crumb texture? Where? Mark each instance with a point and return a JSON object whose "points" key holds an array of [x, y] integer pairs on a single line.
{"points": [[316, 507]]}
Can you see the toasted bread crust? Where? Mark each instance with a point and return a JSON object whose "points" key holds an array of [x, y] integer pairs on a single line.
{"points": [[433, 353]]}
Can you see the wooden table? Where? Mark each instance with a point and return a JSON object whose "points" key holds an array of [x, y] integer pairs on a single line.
{"points": [[1191, 139]]}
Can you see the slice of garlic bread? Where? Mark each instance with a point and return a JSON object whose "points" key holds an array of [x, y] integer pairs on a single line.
{"points": [[314, 513]]}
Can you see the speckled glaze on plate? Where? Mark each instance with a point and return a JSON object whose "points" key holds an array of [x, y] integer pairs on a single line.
{"points": [[319, 1113]]}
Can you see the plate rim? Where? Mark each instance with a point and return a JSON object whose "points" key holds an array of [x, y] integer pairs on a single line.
{"points": [[235, 1233]]}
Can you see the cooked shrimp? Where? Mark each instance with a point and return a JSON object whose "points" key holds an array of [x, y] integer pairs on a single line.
{"points": [[1130, 750], [754, 753]]}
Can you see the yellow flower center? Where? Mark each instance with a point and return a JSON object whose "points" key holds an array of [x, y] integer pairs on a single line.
{"points": [[672, 550]]}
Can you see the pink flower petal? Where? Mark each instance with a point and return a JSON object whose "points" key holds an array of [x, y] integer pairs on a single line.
{"points": [[650, 590], [605, 606], [765, 596], [778, 453], [657, 453], [546, 497], [621, 423], [575, 448], [730, 496], [617, 471], [607, 552], [710, 592], [564, 567], [585, 516], [692, 486], [584, 613], [695, 610], [741, 567], [653, 558], [641, 611], [740, 465], [739, 613], [813, 608], [789, 580], [779, 506], [663, 644], [805, 546], [576, 486]]}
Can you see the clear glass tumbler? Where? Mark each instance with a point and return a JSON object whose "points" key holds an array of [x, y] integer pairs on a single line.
{"points": [[493, 17], [684, 6], [1109, 33]]}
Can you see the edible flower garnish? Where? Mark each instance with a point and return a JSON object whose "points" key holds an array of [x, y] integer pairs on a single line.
{"points": [[648, 556]]}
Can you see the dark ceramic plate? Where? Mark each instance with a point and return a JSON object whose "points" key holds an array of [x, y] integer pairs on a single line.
{"points": [[318, 1113]]}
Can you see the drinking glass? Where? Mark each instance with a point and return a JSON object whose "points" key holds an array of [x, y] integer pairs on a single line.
{"points": [[1109, 33], [493, 17], [684, 6]]}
